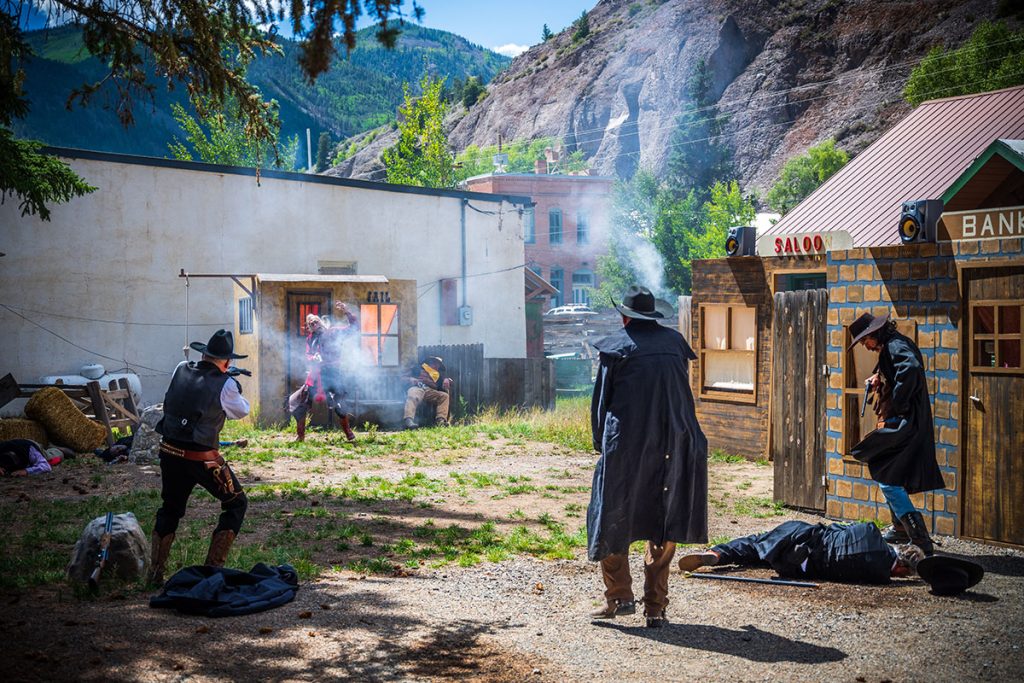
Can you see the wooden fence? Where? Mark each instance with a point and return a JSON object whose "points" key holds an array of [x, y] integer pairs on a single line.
{"points": [[479, 382]]}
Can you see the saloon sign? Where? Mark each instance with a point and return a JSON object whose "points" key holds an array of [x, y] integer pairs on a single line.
{"points": [[803, 243], [981, 225]]}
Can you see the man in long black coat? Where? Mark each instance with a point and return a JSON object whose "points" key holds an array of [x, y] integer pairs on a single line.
{"points": [[900, 454], [650, 483]]}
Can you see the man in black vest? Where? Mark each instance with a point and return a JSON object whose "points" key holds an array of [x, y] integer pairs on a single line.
{"points": [[202, 395]]}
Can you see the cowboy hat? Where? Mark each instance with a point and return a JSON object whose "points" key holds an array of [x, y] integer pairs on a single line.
{"points": [[221, 345], [638, 302], [949, 575], [865, 325], [438, 360]]}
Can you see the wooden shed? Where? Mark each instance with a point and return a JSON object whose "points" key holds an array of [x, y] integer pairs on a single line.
{"points": [[270, 327]]}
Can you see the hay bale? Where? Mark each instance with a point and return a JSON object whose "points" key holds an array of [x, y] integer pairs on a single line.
{"points": [[65, 424], [20, 428]]}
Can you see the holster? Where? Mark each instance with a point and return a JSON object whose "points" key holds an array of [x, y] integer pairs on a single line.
{"points": [[222, 475]]}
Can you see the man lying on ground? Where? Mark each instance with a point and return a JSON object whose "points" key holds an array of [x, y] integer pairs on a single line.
{"points": [[22, 457], [854, 553]]}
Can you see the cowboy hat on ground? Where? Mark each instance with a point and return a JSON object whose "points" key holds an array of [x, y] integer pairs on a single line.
{"points": [[948, 575]]}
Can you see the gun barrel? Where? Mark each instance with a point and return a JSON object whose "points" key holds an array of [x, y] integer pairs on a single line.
{"points": [[748, 579]]}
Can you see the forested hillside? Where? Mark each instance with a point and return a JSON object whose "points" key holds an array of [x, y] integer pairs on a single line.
{"points": [[360, 92]]}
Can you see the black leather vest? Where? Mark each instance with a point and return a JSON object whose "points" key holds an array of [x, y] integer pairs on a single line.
{"points": [[193, 415]]}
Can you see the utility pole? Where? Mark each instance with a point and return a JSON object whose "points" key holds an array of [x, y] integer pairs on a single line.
{"points": [[309, 153]]}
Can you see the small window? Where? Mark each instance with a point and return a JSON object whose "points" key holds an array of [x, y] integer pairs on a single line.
{"points": [[555, 226], [996, 337], [378, 326], [582, 285], [245, 315], [728, 363], [582, 228], [529, 226], [558, 282]]}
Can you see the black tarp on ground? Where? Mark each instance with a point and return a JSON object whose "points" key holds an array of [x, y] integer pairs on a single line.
{"points": [[220, 592]]}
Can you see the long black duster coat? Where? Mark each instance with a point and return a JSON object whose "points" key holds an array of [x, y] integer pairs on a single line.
{"points": [[651, 482], [903, 452]]}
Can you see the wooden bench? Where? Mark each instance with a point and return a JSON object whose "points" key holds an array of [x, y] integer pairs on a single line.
{"points": [[112, 406]]}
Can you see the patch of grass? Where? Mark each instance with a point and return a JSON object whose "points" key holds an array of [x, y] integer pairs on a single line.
{"points": [[573, 509], [758, 507], [720, 456], [743, 486]]}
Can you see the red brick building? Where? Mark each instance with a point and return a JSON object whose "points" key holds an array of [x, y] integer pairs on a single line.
{"points": [[565, 231]]}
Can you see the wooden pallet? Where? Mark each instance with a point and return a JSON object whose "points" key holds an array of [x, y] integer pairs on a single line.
{"points": [[112, 406]]}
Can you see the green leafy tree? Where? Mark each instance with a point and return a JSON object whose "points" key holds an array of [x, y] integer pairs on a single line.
{"points": [[581, 27], [726, 208], [202, 45], [546, 34], [323, 151], [698, 157], [992, 58], [33, 178], [471, 91], [222, 138], [421, 156], [803, 174]]}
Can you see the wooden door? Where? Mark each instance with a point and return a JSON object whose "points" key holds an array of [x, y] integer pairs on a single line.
{"points": [[301, 304], [799, 384], [993, 476]]}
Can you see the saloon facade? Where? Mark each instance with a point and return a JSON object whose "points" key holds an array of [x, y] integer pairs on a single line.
{"points": [[774, 377]]}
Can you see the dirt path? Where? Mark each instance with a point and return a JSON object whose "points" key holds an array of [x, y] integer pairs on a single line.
{"points": [[521, 618]]}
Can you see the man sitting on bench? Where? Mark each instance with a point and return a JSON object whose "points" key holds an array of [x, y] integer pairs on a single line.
{"points": [[427, 383]]}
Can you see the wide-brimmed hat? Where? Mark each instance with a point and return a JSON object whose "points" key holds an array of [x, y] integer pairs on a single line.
{"points": [[865, 325], [638, 302], [438, 360], [949, 575], [221, 345]]}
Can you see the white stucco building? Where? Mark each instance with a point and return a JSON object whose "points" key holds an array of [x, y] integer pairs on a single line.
{"points": [[100, 281]]}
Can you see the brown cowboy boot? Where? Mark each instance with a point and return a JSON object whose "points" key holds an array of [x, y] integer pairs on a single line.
{"points": [[300, 429], [220, 544], [895, 534], [160, 550], [349, 435]]}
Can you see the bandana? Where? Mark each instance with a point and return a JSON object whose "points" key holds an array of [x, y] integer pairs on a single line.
{"points": [[434, 374]]}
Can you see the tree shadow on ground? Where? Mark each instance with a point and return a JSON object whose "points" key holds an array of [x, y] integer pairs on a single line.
{"points": [[749, 642], [330, 632]]}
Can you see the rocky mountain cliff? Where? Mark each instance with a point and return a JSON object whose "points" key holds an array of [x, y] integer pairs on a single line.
{"points": [[787, 74]]}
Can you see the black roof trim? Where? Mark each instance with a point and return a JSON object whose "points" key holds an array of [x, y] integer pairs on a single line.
{"points": [[71, 153]]}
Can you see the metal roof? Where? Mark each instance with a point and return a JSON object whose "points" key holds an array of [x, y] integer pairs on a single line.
{"points": [[306, 277], [918, 158]]}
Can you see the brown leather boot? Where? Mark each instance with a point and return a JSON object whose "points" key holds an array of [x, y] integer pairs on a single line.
{"points": [[349, 435], [914, 523], [220, 544], [160, 550], [300, 429]]}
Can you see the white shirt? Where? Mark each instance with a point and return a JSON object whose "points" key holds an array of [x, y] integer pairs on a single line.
{"points": [[232, 401]]}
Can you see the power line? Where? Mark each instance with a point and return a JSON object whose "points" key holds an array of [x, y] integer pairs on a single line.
{"points": [[77, 346], [109, 322]]}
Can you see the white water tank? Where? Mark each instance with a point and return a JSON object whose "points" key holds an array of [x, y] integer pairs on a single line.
{"points": [[105, 380]]}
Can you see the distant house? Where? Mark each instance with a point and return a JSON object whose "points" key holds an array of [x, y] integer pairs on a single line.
{"points": [[100, 282], [565, 231]]}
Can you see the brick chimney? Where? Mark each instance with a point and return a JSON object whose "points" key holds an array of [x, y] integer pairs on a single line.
{"points": [[540, 167]]}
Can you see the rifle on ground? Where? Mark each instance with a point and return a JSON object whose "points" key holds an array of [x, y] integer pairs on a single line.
{"points": [[748, 579], [104, 554]]}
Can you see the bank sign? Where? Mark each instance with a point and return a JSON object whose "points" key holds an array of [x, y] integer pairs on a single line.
{"points": [[803, 243], [955, 226]]}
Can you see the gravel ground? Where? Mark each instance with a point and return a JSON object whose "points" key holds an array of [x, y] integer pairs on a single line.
{"points": [[525, 618]]}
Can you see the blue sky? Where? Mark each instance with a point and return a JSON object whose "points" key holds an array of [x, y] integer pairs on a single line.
{"points": [[495, 24]]}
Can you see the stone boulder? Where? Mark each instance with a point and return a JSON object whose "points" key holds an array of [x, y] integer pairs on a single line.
{"points": [[129, 550], [146, 442]]}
